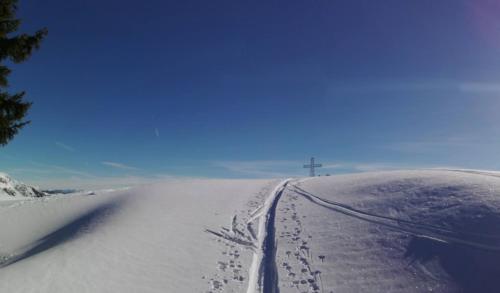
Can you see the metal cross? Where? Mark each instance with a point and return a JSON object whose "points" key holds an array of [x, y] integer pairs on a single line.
{"points": [[311, 167]]}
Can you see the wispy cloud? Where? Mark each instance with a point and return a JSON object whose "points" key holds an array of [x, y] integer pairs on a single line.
{"points": [[157, 132], [372, 167], [54, 176], [65, 146], [429, 146], [46, 169], [118, 165], [72, 171], [101, 182], [350, 167], [333, 166], [419, 85], [480, 87], [264, 168], [273, 169], [393, 85]]}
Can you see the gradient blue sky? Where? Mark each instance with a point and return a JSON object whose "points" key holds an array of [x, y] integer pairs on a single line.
{"points": [[132, 91]]}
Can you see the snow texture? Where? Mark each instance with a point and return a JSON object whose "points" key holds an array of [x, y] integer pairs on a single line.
{"points": [[400, 231], [147, 239], [414, 231]]}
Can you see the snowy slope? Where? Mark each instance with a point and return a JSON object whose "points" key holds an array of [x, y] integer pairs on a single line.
{"points": [[412, 231], [12, 189], [147, 239], [415, 231]]}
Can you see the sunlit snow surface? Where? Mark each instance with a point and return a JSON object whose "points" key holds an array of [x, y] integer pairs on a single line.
{"points": [[147, 239], [404, 231], [422, 231]]}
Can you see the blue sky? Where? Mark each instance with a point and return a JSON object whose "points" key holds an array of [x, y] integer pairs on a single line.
{"points": [[133, 91]]}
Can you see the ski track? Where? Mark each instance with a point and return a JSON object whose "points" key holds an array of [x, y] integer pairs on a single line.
{"points": [[263, 272], [415, 229], [399, 221]]}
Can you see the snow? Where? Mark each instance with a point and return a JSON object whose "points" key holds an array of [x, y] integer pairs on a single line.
{"points": [[12, 189], [146, 239], [414, 231], [399, 231], [256, 270]]}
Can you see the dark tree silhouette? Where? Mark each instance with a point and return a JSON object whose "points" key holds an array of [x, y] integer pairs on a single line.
{"points": [[15, 48]]}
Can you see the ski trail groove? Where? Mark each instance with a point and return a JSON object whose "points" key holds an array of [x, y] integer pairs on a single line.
{"points": [[415, 229], [263, 274], [399, 221]]}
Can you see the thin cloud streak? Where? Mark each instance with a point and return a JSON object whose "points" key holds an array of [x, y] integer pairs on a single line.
{"points": [[65, 146], [272, 169], [43, 169], [480, 87], [104, 182], [118, 165], [431, 146], [426, 85]]}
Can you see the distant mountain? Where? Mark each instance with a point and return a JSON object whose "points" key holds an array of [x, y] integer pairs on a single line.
{"points": [[61, 191], [10, 188]]}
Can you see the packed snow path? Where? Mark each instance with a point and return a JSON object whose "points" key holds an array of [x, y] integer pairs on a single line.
{"points": [[263, 272]]}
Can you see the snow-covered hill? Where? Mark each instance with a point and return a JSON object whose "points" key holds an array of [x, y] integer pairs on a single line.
{"points": [[419, 231], [404, 231], [12, 189]]}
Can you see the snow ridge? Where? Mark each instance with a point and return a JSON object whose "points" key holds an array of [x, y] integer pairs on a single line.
{"points": [[264, 254]]}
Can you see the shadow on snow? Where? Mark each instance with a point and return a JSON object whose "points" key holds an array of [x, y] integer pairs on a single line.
{"points": [[473, 269], [83, 224]]}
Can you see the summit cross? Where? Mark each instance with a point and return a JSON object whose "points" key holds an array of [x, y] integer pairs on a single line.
{"points": [[311, 167]]}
